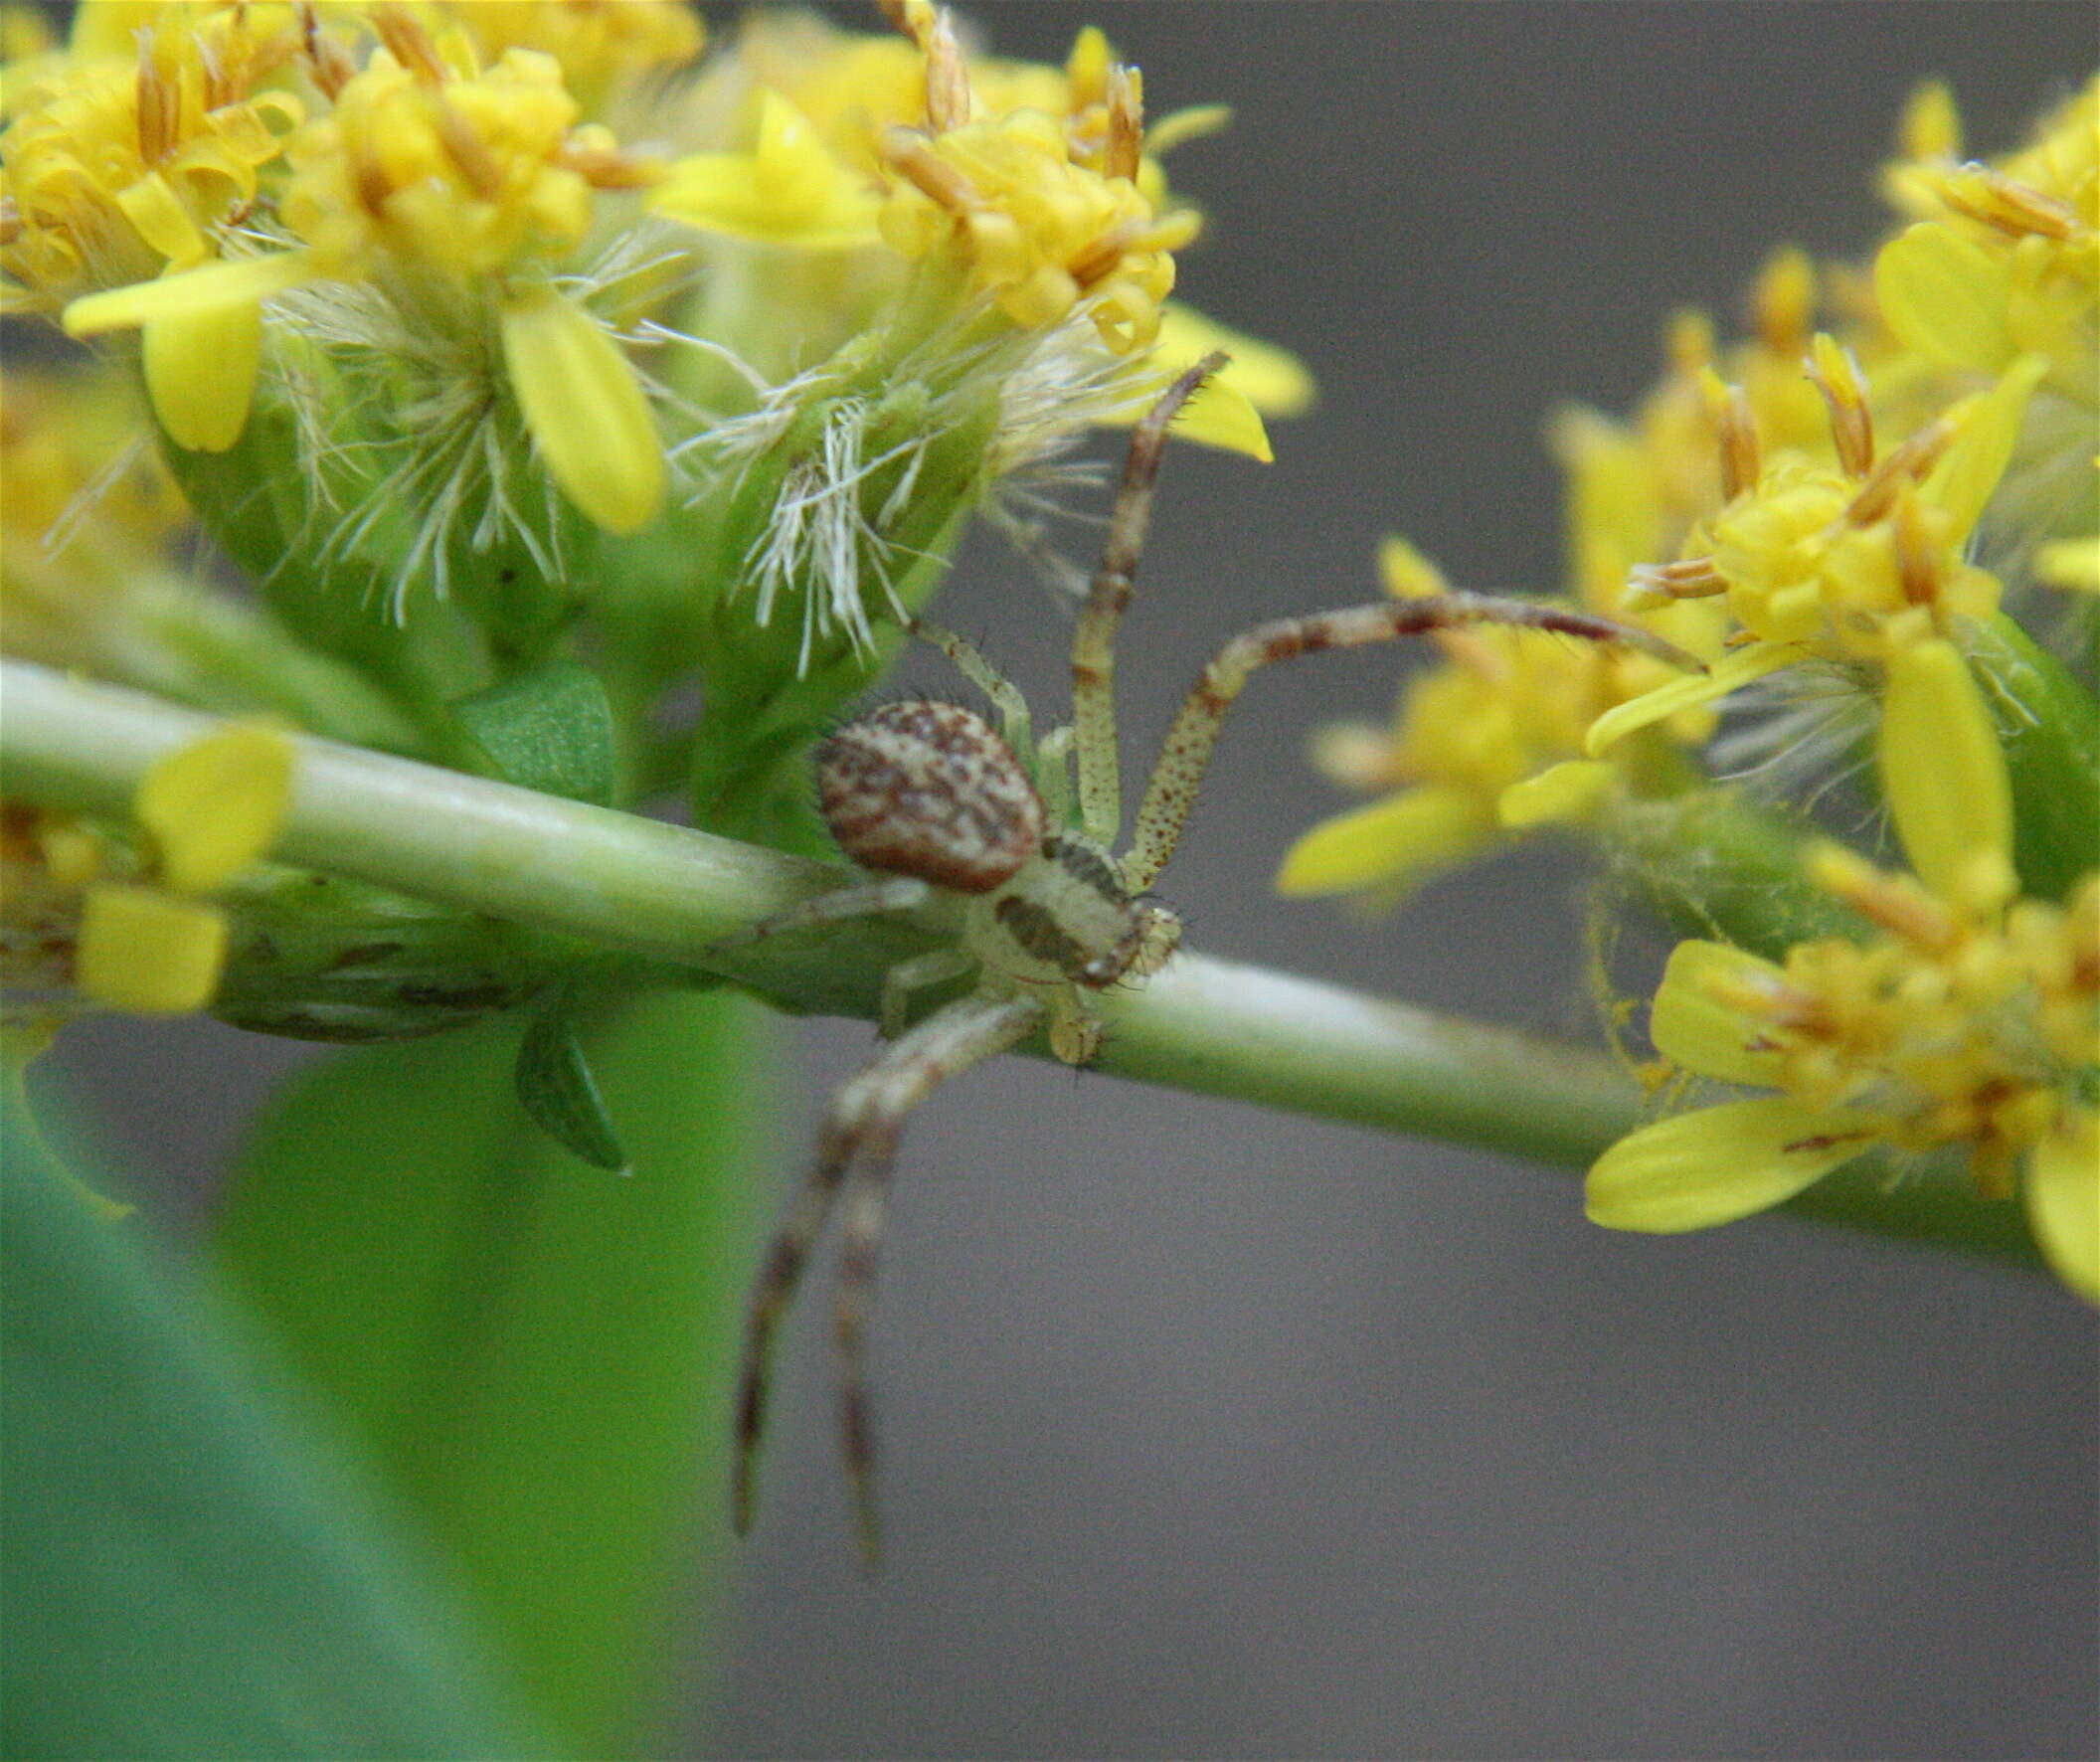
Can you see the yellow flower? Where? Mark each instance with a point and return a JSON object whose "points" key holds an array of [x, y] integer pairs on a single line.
{"points": [[1035, 229], [131, 931], [1852, 563], [430, 170], [1026, 187], [601, 48], [2004, 263], [788, 188], [1972, 1019], [2003, 260], [117, 171], [1486, 743]]}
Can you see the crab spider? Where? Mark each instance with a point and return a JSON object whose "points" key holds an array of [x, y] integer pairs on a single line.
{"points": [[938, 805]]}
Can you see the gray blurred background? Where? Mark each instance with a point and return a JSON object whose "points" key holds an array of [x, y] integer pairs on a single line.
{"points": [[1215, 1433]]}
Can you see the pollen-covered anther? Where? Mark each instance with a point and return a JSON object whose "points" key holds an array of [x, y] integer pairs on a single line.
{"points": [[1735, 427], [908, 151], [596, 157], [1893, 902], [1126, 144], [1920, 543], [409, 44], [948, 98], [1910, 462], [329, 63], [466, 151], [159, 105], [2013, 208], [1657, 584], [1836, 374]]}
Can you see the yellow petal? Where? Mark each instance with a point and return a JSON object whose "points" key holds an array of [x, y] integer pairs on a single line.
{"points": [[148, 953], [1717, 1164], [1409, 836], [217, 804], [157, 215], [1220, 416], [1189, 123], [1962, 481], [200, 372], [2070, 563], [584, 409], [1275, 381], [1932, 126], [788, 190], [1943, 773], [2062, 1192], [1406, 571], [215, 287], [1700, 1021], [110, 27], [1562, 794], [1686, 691], [1945, 298]]}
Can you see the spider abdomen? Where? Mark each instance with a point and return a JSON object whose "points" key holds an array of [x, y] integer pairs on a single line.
{"points": [[928, 790]]}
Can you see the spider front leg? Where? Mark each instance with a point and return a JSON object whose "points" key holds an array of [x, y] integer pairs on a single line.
{"points": [[907, 978], [860, 1131], [1170, 793], [854, 899], [1107, 598]]}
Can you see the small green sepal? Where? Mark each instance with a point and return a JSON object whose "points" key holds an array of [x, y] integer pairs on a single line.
{"points": [[556, 1088]]}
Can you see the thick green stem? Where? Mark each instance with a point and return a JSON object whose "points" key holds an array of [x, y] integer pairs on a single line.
{"points": [[665, 895]]}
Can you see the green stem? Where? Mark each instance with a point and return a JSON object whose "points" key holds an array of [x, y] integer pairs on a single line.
{"points": [[666, 895]]}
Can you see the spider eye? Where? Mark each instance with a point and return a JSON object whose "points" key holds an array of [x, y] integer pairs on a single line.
{"points": [[928, 790]]}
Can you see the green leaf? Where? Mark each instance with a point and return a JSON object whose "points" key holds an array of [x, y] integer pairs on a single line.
{"points": [[2049, 727], [549, 729], [538, 1360], [187, 1573], [555, 1086]]}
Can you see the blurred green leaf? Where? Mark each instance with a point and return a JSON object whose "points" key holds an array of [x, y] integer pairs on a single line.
{"points": [[539, 1360], [549, 729], [555, 1086], [2049, 727], [187, 1574]]}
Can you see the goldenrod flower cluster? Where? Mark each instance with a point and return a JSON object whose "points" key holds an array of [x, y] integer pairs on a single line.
{"points": [[1842, 521], [1968, 1020], [542, 352]]}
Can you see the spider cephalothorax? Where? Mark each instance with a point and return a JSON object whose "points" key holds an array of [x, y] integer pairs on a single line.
{"points": [[1018, 837], [931, 793]]}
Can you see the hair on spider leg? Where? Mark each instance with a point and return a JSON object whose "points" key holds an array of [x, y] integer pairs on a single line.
{"points": [[935, 804]]}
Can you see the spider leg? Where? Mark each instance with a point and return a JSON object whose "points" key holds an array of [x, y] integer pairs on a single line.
{"points": [[1109, 596], [1015, 720], [857, 898], [865, 1120], [916, 974], [1053, 774], [1170, 792], [943, 1046]]}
